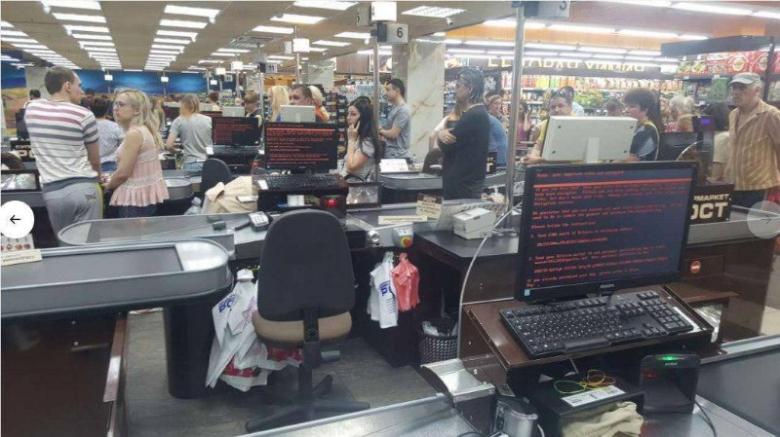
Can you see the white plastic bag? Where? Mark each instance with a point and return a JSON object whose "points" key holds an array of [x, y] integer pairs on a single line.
{"points": [[383, 303]]}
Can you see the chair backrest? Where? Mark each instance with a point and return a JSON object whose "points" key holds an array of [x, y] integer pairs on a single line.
{"points": [[305, 263], [214, 172]]}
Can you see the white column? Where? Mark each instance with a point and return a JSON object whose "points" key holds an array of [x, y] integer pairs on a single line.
{"points": [[421, 66]]}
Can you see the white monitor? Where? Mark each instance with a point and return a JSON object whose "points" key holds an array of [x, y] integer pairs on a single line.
{"points": [[297, 114], [233, 111], [588, 139]]}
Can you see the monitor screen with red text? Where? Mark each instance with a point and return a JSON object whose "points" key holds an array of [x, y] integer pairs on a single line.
{"points": [[598, 228]]}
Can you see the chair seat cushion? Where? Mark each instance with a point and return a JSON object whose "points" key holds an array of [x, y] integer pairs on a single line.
{"points": [[291, 333]]}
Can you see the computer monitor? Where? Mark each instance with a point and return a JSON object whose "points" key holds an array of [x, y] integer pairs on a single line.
{"points": [[597, 228], [300, 146], [297, 114], [235, 131], [588, 139], [171, 112], [233, 111]]}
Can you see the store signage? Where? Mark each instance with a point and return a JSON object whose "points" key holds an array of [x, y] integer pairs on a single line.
{"points": [[711, 203], [570, 64]]}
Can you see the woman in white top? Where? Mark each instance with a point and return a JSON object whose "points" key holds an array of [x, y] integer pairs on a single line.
{"points": [[721, 149], [138, 182], [194, 130]]}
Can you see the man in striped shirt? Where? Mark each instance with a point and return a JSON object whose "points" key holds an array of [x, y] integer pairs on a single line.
{"points": [[754, 134], [64, 138]]}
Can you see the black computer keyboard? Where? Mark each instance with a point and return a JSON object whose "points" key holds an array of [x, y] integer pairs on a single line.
{"points": [[292, 182], [550, 329]]}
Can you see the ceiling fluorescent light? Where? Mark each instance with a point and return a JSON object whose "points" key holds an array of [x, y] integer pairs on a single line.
{"points": [[317, 49], [4, 32], [20, 40], [234, 50], [432, 11], [582, 29], [653, 3], [89, 36], [100, 50], [5, 24], [323, 42], [489, 43], [226, 55], [282, 57], [190, 35], [639, 58], [644, 52], [70, 28], [298, 19], [501, 52], [164, 52], [82, 4], [96, 43], [183, 23], [211, 14], [441, 34], [767, 14], [452, 41], [274, 29], [710, 8], [353, 35], [167, 47], [577, 55], [79, 17], [538, 53], [602, 50], [693, 37], [465, 51], [647, 33], [30, 46], [550, 46], [183, 42], [210, 61], [331, 5], [605, 56]]}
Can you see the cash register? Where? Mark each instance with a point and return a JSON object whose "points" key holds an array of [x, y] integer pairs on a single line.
{"points": [[587, 232], [307, 151]]}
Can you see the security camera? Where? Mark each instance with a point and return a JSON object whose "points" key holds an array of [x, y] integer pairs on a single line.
{"points": [[449, 21]]}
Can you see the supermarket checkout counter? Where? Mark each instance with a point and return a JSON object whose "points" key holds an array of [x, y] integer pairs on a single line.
{"points": [[732, 392], [404, 187], [64, 330]]}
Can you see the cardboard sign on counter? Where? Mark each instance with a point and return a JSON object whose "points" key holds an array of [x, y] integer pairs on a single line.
{"points": [[429, 206]]}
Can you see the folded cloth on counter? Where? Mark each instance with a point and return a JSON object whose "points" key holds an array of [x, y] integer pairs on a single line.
{"points": [[223, 198], [619, 420]]}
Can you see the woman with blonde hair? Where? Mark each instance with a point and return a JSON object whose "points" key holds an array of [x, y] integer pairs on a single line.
{"points": [[159, 112], [194, 130], [279, 96], [138, 182], [319, 99]]}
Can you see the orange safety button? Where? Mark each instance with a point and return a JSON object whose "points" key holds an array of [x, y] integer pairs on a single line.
{"points": [[695, 267], [406, 241]]}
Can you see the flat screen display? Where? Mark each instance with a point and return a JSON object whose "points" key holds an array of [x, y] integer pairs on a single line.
{"points": [[307, 146]]}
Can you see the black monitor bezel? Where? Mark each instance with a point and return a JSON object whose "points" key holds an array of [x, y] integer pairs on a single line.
{"points": [[332, 163], [250, 121], [582, 289]]}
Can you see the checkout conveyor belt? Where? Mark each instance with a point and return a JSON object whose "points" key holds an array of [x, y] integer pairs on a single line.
{"points": [[428, 182], [114, 278]]}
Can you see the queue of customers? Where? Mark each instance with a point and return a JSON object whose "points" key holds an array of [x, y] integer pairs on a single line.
{"points": [[73, 149]]}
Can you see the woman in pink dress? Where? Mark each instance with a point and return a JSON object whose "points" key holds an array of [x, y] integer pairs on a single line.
{"points": [[138, 182]]}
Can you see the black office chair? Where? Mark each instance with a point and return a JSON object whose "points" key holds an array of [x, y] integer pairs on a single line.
{"points": [[214, 171], [305, 293], [432, 163]]}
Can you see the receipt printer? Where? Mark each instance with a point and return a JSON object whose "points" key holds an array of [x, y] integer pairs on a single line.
{"points": [[474, 223]]}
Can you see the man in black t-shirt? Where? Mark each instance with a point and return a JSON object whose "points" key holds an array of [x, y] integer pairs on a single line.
{"points": [[465, 146]]}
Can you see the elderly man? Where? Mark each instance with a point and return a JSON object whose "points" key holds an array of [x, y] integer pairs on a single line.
{"points": [[754, 134]]}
